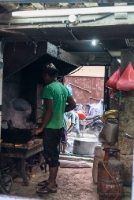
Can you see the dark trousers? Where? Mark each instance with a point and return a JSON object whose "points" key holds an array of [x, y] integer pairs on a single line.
{"points": [[51, 139]]}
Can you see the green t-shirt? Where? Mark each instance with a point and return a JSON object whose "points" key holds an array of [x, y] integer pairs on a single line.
{"points": [[59, 94]]}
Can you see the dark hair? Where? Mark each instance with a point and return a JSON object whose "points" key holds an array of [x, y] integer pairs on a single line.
{"points": [[50, 69]]}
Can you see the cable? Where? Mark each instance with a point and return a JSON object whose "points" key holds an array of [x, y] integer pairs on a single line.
{"points": [[116, 184], [106, 51], [71, 31], [96, 19]]}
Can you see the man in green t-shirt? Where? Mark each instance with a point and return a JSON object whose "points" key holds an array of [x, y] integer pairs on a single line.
{"points": [[55, 97]]}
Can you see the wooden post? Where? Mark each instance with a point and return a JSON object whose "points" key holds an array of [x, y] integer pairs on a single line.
{"points": [[1, 82], [126, 121]]}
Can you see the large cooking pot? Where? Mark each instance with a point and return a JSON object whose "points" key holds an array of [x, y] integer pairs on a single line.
{"points": [[84, 146]]}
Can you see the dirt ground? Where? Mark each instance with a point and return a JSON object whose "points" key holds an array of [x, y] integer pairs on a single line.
{"points": [[73, 184]]}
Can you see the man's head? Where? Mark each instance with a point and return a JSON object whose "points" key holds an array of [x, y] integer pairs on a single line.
{"points": [[50, 72]]}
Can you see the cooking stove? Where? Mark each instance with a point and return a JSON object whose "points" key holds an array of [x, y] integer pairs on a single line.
{"points": [[22, 152]]}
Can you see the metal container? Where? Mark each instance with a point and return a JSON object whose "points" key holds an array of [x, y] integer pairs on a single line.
{"points": [[84, 146], [106, 187]]}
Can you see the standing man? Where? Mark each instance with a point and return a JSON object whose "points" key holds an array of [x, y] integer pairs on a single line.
{"points": [[55, 97]]}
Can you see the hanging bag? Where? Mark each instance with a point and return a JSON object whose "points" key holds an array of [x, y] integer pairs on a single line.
{"points": [[126, 81], [111, 83]]}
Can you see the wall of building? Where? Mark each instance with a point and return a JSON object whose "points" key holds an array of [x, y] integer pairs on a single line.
{"points": [[87, 84]]}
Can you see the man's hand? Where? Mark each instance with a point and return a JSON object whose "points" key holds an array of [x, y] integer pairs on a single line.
{"points": [[36, 131]]}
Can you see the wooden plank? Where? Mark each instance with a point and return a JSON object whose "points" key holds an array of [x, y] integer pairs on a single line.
{"points": [[64, 1]]}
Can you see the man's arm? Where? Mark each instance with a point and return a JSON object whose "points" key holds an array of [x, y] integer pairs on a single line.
{"points": [[72, 117], [47, 116], [71, 104], [70, 127]]}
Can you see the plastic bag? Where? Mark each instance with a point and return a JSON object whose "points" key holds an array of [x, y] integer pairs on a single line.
{"points": [[96, 108], [112, 114], [111, 83], [126, 81], [69, 88]]}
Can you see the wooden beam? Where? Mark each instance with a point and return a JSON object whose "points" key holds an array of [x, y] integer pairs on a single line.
{"points": [[1, 84], [63, 1], [8, 22]]}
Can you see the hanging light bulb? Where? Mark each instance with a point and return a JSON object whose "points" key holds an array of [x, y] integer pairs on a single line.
{"points": [[72, 18], [94, 42], [119, 60]]}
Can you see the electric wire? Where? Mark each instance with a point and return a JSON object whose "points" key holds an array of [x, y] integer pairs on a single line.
{"points": [[97, 19], [106, 51], [72, 33], [87, 21], [69, 29], [116, 184]]}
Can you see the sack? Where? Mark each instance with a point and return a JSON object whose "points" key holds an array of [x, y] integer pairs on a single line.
{"points": [[111, 83], [109, 132], [126, 81]]}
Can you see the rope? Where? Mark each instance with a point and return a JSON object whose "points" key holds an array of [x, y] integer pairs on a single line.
{"points": [[116, 184]]}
